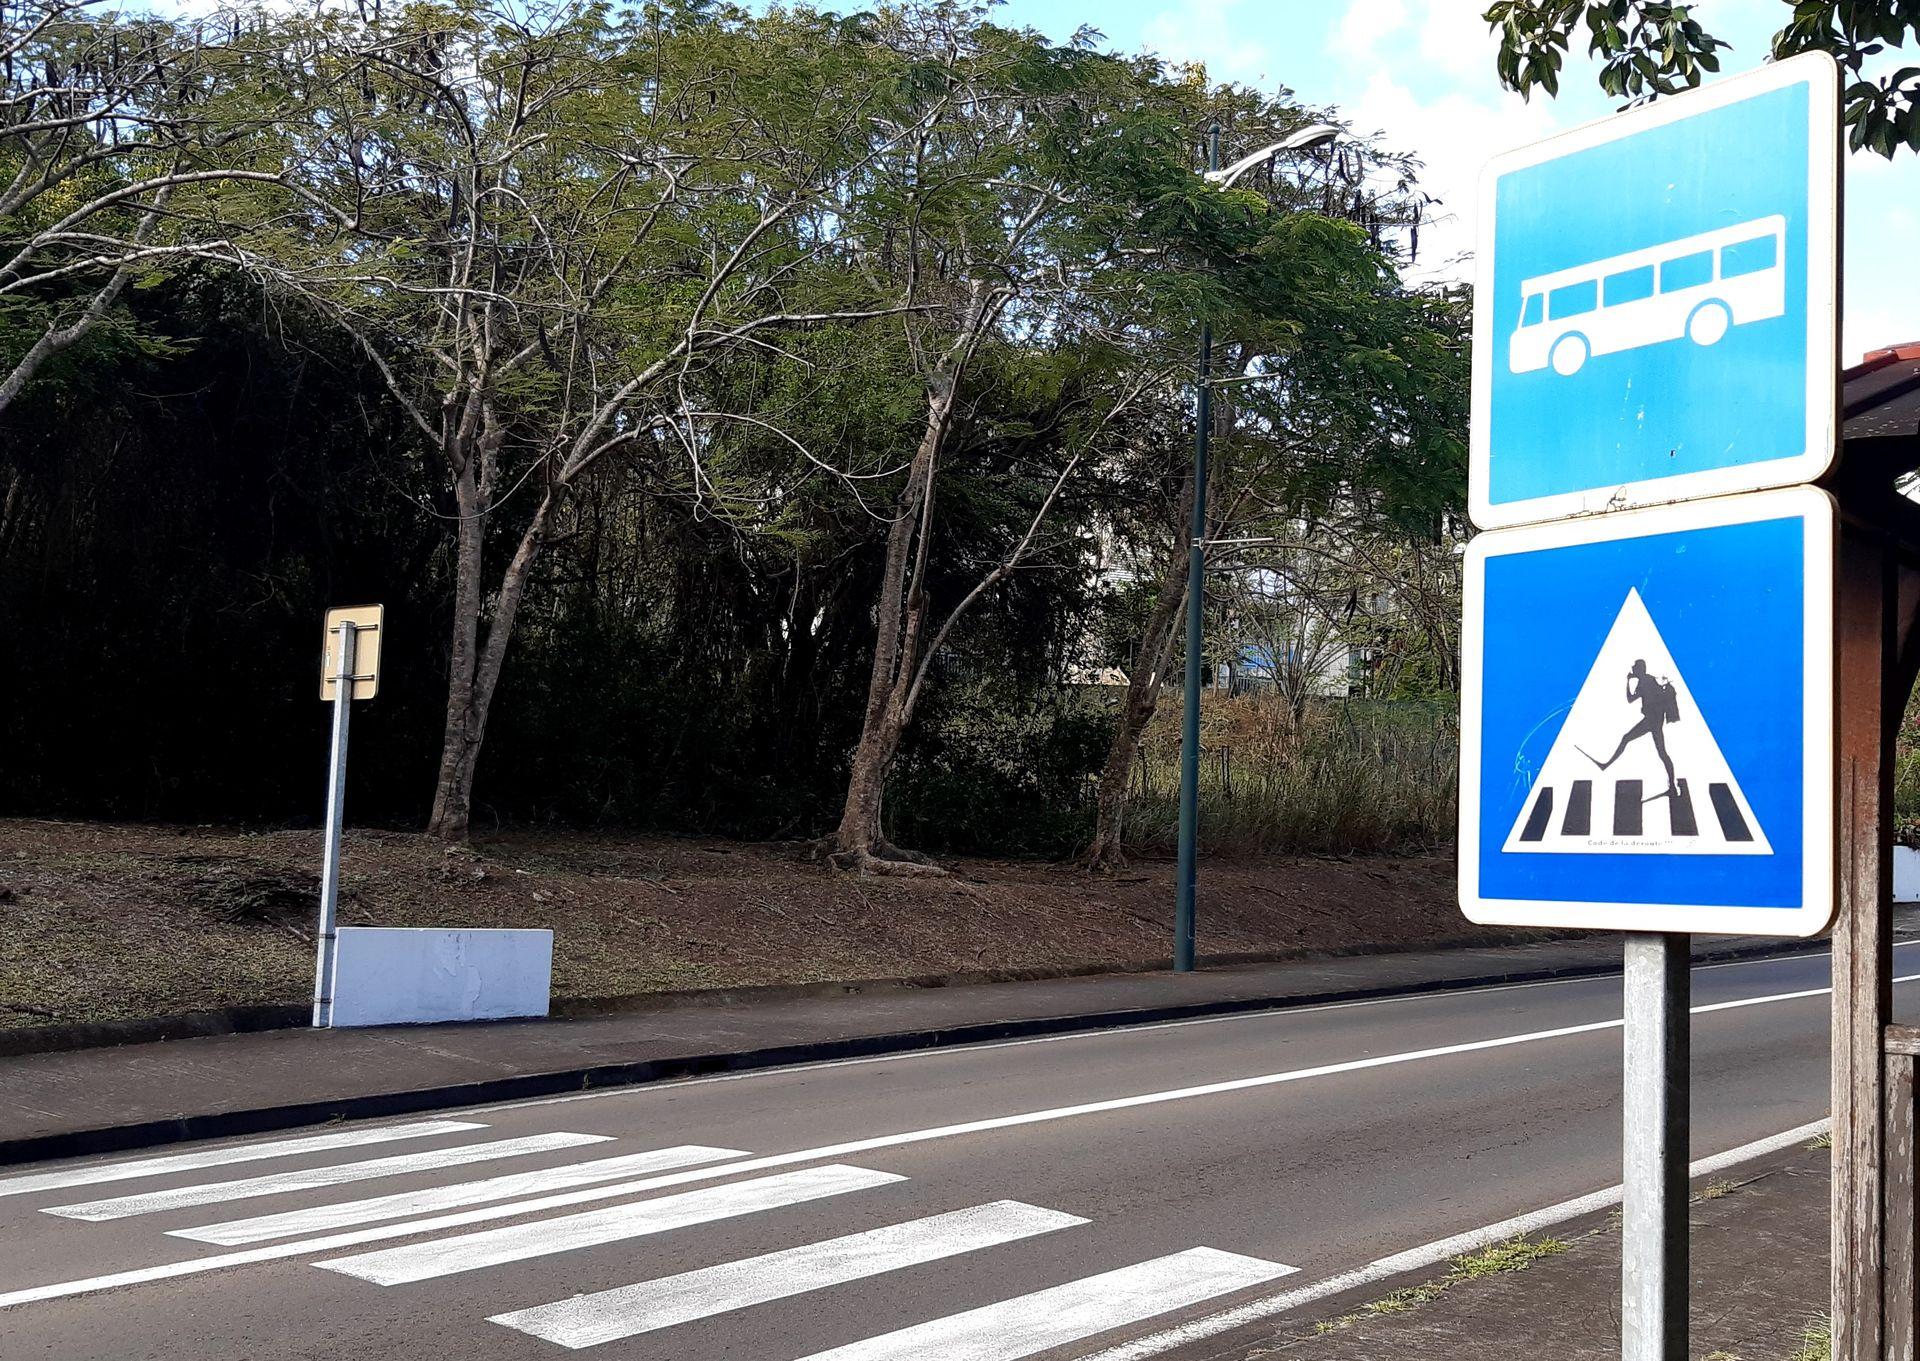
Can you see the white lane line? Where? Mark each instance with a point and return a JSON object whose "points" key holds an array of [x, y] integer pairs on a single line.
{"points": [[1263, 1014], [851, 1148], [615, 1224], [312, 1178], [608, 1315], [1068, 1313], [1431, 1254], [323, 1218], [95, 1173]]}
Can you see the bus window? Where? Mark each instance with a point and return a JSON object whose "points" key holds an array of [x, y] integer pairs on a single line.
{"points": [[1530, 311], [1687, 271], [1629, 285], [1574, 299], [1748, 257]]}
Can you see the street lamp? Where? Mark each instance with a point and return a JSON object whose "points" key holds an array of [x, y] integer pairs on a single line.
{"points": [[1313, 135]]}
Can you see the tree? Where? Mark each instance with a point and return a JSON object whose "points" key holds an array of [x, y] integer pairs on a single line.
{"points": [[126, 147], [1002, 219], [1647, 48], [1348, 389], [563, 219], [1294, 605]]}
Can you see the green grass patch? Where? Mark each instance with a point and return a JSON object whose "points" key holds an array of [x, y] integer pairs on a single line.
{"points": [[1816, 1341], [1516, 1254]]}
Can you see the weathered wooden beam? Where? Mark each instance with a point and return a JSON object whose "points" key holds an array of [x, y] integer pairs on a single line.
{"points": [[1865, 625], [1900, 1301]]}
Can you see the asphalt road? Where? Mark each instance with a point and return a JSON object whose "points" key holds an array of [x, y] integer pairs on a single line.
{"points": [[1060, 1197]]}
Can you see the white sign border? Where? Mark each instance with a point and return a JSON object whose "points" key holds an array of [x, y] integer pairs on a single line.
{"points": [[1819, 71], [1819, 514]]}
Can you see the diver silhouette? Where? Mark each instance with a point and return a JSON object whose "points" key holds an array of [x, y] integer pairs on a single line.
{"points": [[1659, 706]]}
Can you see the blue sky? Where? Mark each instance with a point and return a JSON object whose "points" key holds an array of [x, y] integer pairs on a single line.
{"points": [[1421, 73]]}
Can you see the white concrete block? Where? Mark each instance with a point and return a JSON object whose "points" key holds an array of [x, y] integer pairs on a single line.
{"points": [[1906, 874], [406, 975]]}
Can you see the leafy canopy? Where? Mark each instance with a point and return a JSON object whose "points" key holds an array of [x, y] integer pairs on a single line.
{"points": [[1649, 48]]}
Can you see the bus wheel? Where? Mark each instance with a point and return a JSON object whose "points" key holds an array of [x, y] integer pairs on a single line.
{"points": [[1569, 353], [1708, 323]]}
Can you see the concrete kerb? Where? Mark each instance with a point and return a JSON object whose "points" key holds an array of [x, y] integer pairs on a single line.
{"points": [[528, 1086], [243, 1020], [1335, 1295]]}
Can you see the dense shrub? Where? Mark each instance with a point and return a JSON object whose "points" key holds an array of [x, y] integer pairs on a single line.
{"points": [[1001, 774]]}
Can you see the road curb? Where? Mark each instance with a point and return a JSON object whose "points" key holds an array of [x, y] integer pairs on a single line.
{"points": [[559, 1082], [249, 1019]]}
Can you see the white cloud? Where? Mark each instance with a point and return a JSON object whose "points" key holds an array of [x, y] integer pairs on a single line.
{"points": [[1456, 39], [1424, 70], [1218, 34], [1365, 25], [1453, 135], [1882, 297]]}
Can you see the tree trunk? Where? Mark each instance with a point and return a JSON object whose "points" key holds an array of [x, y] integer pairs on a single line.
{"points": [[460, 741], [1107, 851], [860, 842], [893, 690], [474, 672]]}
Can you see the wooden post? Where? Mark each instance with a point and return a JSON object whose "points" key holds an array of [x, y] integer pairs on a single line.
{"points": [[1899, 1301], [1862, 938]]}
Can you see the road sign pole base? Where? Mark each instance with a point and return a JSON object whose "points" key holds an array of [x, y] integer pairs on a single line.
{"points": [[1653, 1224]]}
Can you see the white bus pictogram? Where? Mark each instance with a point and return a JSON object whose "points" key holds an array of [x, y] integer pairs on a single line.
{"points": [[1699, 287]]}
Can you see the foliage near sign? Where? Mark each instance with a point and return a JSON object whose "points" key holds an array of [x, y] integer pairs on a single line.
{"points": [[1647, 48]]}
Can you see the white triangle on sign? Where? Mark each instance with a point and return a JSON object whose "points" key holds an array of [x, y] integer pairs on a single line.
{"points": [[1605, 788]]}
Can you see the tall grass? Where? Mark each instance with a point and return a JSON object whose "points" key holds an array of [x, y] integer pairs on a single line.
{"points": [[1350, 776]]}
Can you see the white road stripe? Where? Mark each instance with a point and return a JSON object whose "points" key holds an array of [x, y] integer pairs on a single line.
{"points": [[1067, 1313], [312, 1178], [1432, 1254], [543, 1238], [321, 1218], [95, 1173], [308, 1247], [588, 1320]]}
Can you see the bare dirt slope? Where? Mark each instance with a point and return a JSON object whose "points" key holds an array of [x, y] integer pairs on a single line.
{"points": [[105, 922]]}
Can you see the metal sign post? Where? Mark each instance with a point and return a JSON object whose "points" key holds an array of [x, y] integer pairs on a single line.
{"points": [[352, 641], [1647, 657], [1653, 1219], [336, 812], [1189, 850]]}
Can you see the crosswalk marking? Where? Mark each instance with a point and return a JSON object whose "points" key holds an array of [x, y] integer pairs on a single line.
{"points": [[517, 1242], [588, 1320], [311, 1178], [1080, 1309], [374, 1209], [96, 1173]]}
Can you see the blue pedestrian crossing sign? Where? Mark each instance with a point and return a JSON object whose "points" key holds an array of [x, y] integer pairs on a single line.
{"points": [[1647, 720], [1654, 313]]}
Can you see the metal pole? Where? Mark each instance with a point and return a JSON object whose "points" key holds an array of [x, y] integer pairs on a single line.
{"points": [[336, 813], [1183, 914], [1653, 1219]]}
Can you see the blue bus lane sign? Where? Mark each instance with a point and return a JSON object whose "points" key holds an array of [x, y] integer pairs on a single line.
{"points": [[1647, 726], [1654, 313]]}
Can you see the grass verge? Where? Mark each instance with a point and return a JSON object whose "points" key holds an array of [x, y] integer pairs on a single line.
{"points": [[1516, 1254], [1816, 1343]]}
